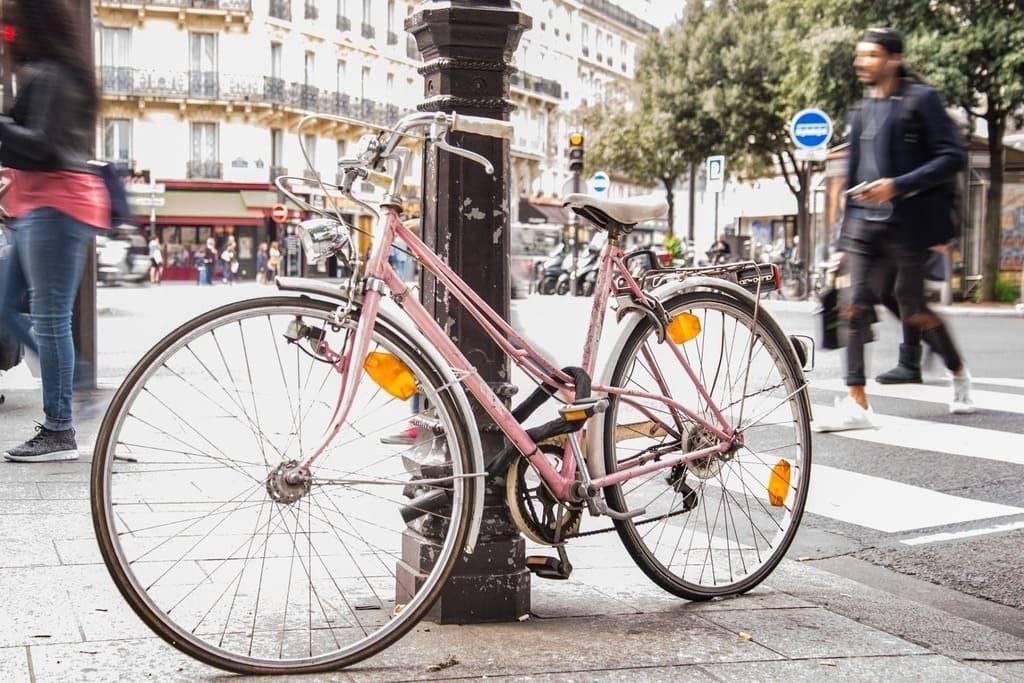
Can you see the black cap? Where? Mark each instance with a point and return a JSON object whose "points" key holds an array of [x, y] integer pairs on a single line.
{"points": [[889, 38]]}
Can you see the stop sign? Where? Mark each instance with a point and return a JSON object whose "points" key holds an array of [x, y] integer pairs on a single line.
{"points": [[279, 213]]}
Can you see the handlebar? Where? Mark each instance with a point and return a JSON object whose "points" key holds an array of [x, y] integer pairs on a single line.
{"points": [[479, 125]]}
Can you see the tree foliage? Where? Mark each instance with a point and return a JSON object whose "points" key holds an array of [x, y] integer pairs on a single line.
{"points": [[729, 75]]}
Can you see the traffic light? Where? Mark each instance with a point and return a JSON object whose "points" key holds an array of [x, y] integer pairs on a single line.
{"points": [[576, 152]]}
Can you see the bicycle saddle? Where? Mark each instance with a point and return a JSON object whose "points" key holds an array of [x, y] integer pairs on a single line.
{"points": [[628, 211]]}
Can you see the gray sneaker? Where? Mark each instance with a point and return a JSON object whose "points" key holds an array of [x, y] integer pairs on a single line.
{"points": [[46, 446]]}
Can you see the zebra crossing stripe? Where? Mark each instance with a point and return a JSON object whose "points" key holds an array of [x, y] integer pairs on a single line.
{"points": [[937, 437], [1001, 382], [968, 533], [930, 393], [891, 506]]}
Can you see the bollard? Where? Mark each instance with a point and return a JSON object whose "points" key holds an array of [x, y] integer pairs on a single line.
{"points": [[467, 49]]}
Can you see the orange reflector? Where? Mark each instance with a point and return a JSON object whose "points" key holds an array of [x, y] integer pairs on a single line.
{"points": [[683, 328], [391, 374], [575, 415], [778, 484]]}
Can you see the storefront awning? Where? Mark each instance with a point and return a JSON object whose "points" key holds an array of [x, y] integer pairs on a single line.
{"points": [[189, 207], [534, 212]]}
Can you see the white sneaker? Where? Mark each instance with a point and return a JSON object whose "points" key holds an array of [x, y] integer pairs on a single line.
{"points": [[846, 415], [962, 403]]}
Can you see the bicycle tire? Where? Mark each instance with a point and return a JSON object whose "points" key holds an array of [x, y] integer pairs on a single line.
{"points": [[727, 560], [359, 608]]}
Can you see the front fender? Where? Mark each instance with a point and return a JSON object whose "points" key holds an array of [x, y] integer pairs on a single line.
{"points": [[386, 316]]}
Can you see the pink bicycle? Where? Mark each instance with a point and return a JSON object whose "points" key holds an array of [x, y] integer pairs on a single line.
{"points": [[250, 514]]}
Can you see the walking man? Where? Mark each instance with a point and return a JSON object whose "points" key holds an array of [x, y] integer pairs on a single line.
{"points": [[905, 153]]}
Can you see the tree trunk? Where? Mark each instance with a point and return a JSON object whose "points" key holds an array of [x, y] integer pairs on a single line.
{"points": [[692, 201], [670, 197], [992, 236]]}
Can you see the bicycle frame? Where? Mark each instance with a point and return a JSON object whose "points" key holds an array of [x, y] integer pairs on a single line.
{"points": [[379, 274]]}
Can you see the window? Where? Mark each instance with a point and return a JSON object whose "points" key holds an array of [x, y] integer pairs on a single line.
{"points": [[309, 68], [117, 139], [391, 16], [367, 11], [364, 79], [309, 144], [275, 60], [203, 64], [339, 85], [276, 147], [205, 151], [342, 149], [391, 85], [115, 60]]}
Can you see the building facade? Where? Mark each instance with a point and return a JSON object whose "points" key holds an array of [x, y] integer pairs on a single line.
{"points": [[204, 98]]}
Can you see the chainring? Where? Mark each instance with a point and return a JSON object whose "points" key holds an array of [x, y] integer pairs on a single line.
{"points": [[539, 515]]}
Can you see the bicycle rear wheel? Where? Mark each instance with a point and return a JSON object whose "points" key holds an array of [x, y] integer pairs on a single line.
{"points": [[217, 542], [718, 525]]}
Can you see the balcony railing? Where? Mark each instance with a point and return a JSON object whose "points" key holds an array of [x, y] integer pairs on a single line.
{"points": [[392, 38], [312, 12], [276, 171], [368, 31], [204, 168], [223, 5], [203, 85], [271, 90], [281, 9], [542, 86], [344, 23]]}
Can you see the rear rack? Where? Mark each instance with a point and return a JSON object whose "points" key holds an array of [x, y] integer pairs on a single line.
{"points": [[756, 278]]}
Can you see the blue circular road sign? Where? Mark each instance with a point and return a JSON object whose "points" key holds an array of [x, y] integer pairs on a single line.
{"points": [[811, 129], [600, 182]]}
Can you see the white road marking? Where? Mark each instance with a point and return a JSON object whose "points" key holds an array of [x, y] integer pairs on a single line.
{"points": [[891, 506], [984, 400], [937, 437], [955, 535], [1001, 381]]}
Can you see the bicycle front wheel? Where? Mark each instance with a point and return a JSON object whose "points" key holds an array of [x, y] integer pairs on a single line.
{"points": [[717, 525], [222, 545]]}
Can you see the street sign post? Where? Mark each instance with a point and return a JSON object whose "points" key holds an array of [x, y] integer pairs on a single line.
{"points": [[715, 172], [811, 129], [600, 182]]}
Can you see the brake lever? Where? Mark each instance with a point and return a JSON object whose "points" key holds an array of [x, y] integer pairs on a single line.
{"points": [[442, 143]]}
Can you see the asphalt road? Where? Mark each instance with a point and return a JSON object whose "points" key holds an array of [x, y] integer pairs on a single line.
{"points": [[937, 504]]}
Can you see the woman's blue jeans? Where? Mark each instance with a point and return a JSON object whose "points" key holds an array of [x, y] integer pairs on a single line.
{"points": [[46, 259]]}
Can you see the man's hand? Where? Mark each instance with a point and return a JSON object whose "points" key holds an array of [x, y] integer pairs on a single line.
{"points": [[878, 192]]}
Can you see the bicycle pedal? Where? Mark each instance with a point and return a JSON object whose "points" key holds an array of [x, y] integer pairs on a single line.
{"points": [[548, 567]]}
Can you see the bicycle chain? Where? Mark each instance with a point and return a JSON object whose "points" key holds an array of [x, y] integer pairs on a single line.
{"points": [[581, 534]]}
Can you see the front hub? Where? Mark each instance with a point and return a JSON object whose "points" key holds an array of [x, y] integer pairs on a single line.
{"points": [[287, 483]]}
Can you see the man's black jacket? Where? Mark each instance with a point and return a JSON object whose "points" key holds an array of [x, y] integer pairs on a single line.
{"points": [[926, 152]]}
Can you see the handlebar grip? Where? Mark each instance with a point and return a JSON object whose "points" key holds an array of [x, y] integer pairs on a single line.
{"points": [[479, 125], [378, 178]]}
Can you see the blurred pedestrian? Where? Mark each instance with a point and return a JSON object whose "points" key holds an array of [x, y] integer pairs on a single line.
{"points": [[56, 198], [274, 260], [229, 257], [905, 153], [720, 251], [208, 261], [156, 261], [262, 264]]}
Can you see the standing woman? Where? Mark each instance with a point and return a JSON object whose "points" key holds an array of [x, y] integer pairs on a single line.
{"points": [[46, 141]]}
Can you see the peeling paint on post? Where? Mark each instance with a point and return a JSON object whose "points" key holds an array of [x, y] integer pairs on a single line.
{"points": [[467, 46]]}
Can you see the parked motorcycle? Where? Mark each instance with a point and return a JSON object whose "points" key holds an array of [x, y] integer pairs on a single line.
{"points": [[549, 271]]}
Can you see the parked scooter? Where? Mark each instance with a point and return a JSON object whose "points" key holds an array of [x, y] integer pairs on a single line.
{"points": [[550, 270], [587, 265]]}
